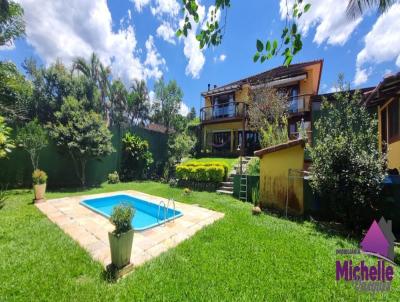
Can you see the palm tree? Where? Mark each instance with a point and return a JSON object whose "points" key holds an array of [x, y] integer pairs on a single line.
{"points": [[98, 77], [356, 8], [138, 103], [118, 99]]}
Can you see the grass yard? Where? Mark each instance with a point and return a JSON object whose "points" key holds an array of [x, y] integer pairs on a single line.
{"points": [[229, 161], [241, 258]]}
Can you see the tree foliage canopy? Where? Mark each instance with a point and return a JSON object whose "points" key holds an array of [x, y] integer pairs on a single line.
{"points": [[348, 168], [83, 134], [12, 24]]}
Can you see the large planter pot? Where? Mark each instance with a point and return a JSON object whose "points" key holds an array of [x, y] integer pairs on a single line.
{"points": [[121, 248], [40, 191]]}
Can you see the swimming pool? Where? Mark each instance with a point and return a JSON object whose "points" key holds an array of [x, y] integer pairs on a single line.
{"points": [[145, 215]]}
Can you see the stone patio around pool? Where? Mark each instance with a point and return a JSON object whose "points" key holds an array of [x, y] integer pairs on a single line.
{"points": [[90, 229]]}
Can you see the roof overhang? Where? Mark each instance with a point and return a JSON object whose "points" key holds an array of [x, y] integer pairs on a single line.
{"points": [[388, 88], [222, 90], [281, 82], [283, 146]]}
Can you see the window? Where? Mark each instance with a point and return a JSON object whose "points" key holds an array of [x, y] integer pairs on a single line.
{"points": [[224, 105], [394, 121]]}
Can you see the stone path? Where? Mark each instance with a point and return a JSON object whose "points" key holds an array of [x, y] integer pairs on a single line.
{"points": [[90, 229]]}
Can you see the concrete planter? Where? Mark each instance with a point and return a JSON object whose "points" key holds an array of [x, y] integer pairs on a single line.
{"points": [[40, 191], [121, 248]]}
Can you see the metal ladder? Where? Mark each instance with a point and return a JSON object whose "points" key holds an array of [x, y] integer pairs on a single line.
{"points": [[243, 188], [166, 207]]}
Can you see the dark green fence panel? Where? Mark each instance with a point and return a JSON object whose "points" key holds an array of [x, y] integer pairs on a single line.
{"points": [[252, 182], [16, 170]]}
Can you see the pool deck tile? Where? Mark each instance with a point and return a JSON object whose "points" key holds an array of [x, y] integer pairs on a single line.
{"points": [[90, 229]]}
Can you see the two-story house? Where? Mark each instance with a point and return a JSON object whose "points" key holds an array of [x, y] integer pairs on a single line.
{"points": [[224, 118]]}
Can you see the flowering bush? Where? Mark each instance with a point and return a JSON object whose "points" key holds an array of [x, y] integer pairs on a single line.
{"points": [[113, 178]]}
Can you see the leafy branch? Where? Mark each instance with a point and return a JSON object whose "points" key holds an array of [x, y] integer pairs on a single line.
{"points": [[212, 33]]}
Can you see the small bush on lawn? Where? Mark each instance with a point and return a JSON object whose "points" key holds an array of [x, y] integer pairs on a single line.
{"points": [[254, 167], [113, 178], [202, 172]]}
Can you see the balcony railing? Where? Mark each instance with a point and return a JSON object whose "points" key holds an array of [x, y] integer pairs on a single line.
{"points": [[222, 111], [300, 104]]}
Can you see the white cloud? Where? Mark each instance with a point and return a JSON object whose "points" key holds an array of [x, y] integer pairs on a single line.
{"points": [[329, 18], [153, 61], [220, 58], [67, 29], [139, 4], [387, 72], [382, 43], [184, 110], [167, 7], [166, 32], [361, 76]]}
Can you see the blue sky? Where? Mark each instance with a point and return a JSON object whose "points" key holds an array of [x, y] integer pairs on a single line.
{"points": [[136, 38]]}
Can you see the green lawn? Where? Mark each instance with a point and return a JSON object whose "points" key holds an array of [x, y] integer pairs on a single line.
{"points": [[229, 161], [241, 258]]}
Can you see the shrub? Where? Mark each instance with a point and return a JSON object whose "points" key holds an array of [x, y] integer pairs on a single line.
{"points": [[3, 196], [113, 178], [136, 157], [121, 218], [187, 191], [202, 172], [39, 177], [348, 168], [173, 182], [254, 167]]}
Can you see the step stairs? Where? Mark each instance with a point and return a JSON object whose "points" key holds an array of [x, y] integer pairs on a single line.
{"points": [[226, 187]]}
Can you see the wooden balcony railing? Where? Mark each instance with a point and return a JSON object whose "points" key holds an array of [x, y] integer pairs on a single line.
{"points": [[223, 111], [300, 104]]}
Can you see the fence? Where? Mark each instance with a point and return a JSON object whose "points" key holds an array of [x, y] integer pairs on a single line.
{"points": [[16, 170]]}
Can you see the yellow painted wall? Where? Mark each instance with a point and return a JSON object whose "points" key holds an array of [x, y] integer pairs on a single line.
{"points": [[274, 169], [310, 84], [393, 155]]}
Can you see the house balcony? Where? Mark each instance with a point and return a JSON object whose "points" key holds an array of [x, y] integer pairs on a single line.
{"points": [[299, 104], [223, 112]]}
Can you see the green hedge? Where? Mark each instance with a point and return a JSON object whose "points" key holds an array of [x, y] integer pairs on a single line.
{"points": [[202, 172]]}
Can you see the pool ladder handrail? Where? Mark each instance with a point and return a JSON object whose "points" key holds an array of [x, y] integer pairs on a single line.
{"points": [[165, 211], [173, 203], [166, 207]]}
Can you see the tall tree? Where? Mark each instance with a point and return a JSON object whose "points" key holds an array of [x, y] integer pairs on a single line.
{"points": [[119, 102], [15, 93], [12, 24], [50, 86], [167, 103], [98, 81], [83, 134], [138, 103], [192, 114]]}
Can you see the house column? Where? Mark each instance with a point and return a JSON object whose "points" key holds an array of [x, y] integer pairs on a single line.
{"points": [[232, 139]]}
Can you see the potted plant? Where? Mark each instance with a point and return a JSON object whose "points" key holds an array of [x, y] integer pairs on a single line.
{"points": [[255, 194], [39, 179], [122, 237]]}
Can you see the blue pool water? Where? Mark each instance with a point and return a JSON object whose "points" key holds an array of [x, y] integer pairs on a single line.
{"points": [[145, 212]]}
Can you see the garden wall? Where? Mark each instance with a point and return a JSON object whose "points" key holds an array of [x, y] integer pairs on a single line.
{"points": [[16, 171], [388, 205]]}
